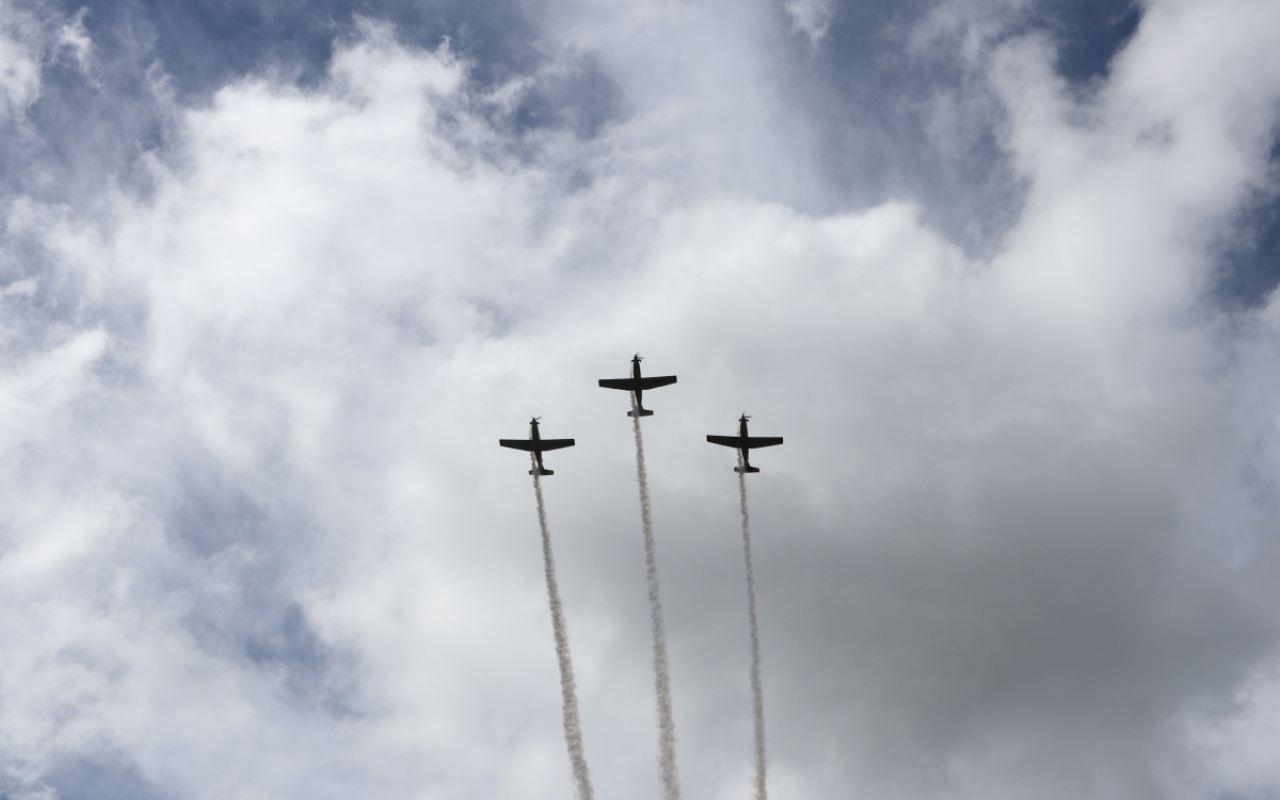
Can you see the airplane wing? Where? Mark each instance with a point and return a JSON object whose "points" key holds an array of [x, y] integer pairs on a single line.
{"points": [[727, 441], [749, 442], [654, 383], [626, 384], [542, 445]]}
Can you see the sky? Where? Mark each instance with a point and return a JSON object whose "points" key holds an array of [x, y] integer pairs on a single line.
{"points": [[274, 277]]}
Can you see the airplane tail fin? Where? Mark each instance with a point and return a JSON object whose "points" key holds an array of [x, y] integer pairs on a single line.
{"points": [[746, 469], [541, 472], [644, 412]]}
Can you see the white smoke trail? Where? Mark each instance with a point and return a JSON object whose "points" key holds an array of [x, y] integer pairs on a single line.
{"points": [[666, 723], [568, 687], [757, 694]]}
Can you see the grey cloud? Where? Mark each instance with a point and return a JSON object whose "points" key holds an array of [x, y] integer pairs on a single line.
{"points": [[102, 780]]}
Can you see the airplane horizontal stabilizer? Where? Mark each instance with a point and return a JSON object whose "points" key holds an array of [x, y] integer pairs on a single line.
{"points": [[644, 412], [746, 469], [541, 472]]}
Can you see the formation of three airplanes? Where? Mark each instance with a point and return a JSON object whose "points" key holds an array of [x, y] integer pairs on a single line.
{"points": [[743, 443]]}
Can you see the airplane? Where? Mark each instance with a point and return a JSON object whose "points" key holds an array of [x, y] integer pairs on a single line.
{"points": [[537, 445], [745, 444], [637, 384]]}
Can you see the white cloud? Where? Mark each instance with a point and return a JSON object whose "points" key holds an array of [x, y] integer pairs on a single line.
{"points": [[21, 47], [74, 37], [810, 17]]}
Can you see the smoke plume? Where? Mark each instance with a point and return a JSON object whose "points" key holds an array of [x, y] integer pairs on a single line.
{"points": [[568, 688], [666, 724], [757, 694]]}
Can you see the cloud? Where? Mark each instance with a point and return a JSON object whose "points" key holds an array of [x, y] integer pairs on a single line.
{"points": [[74, 38], [810, 17], [20, 52], [261, 543]]}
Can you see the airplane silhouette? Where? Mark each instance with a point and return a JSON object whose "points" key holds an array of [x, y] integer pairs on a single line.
{"points": [[744, 444], [637, 384], [537, 445]]}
